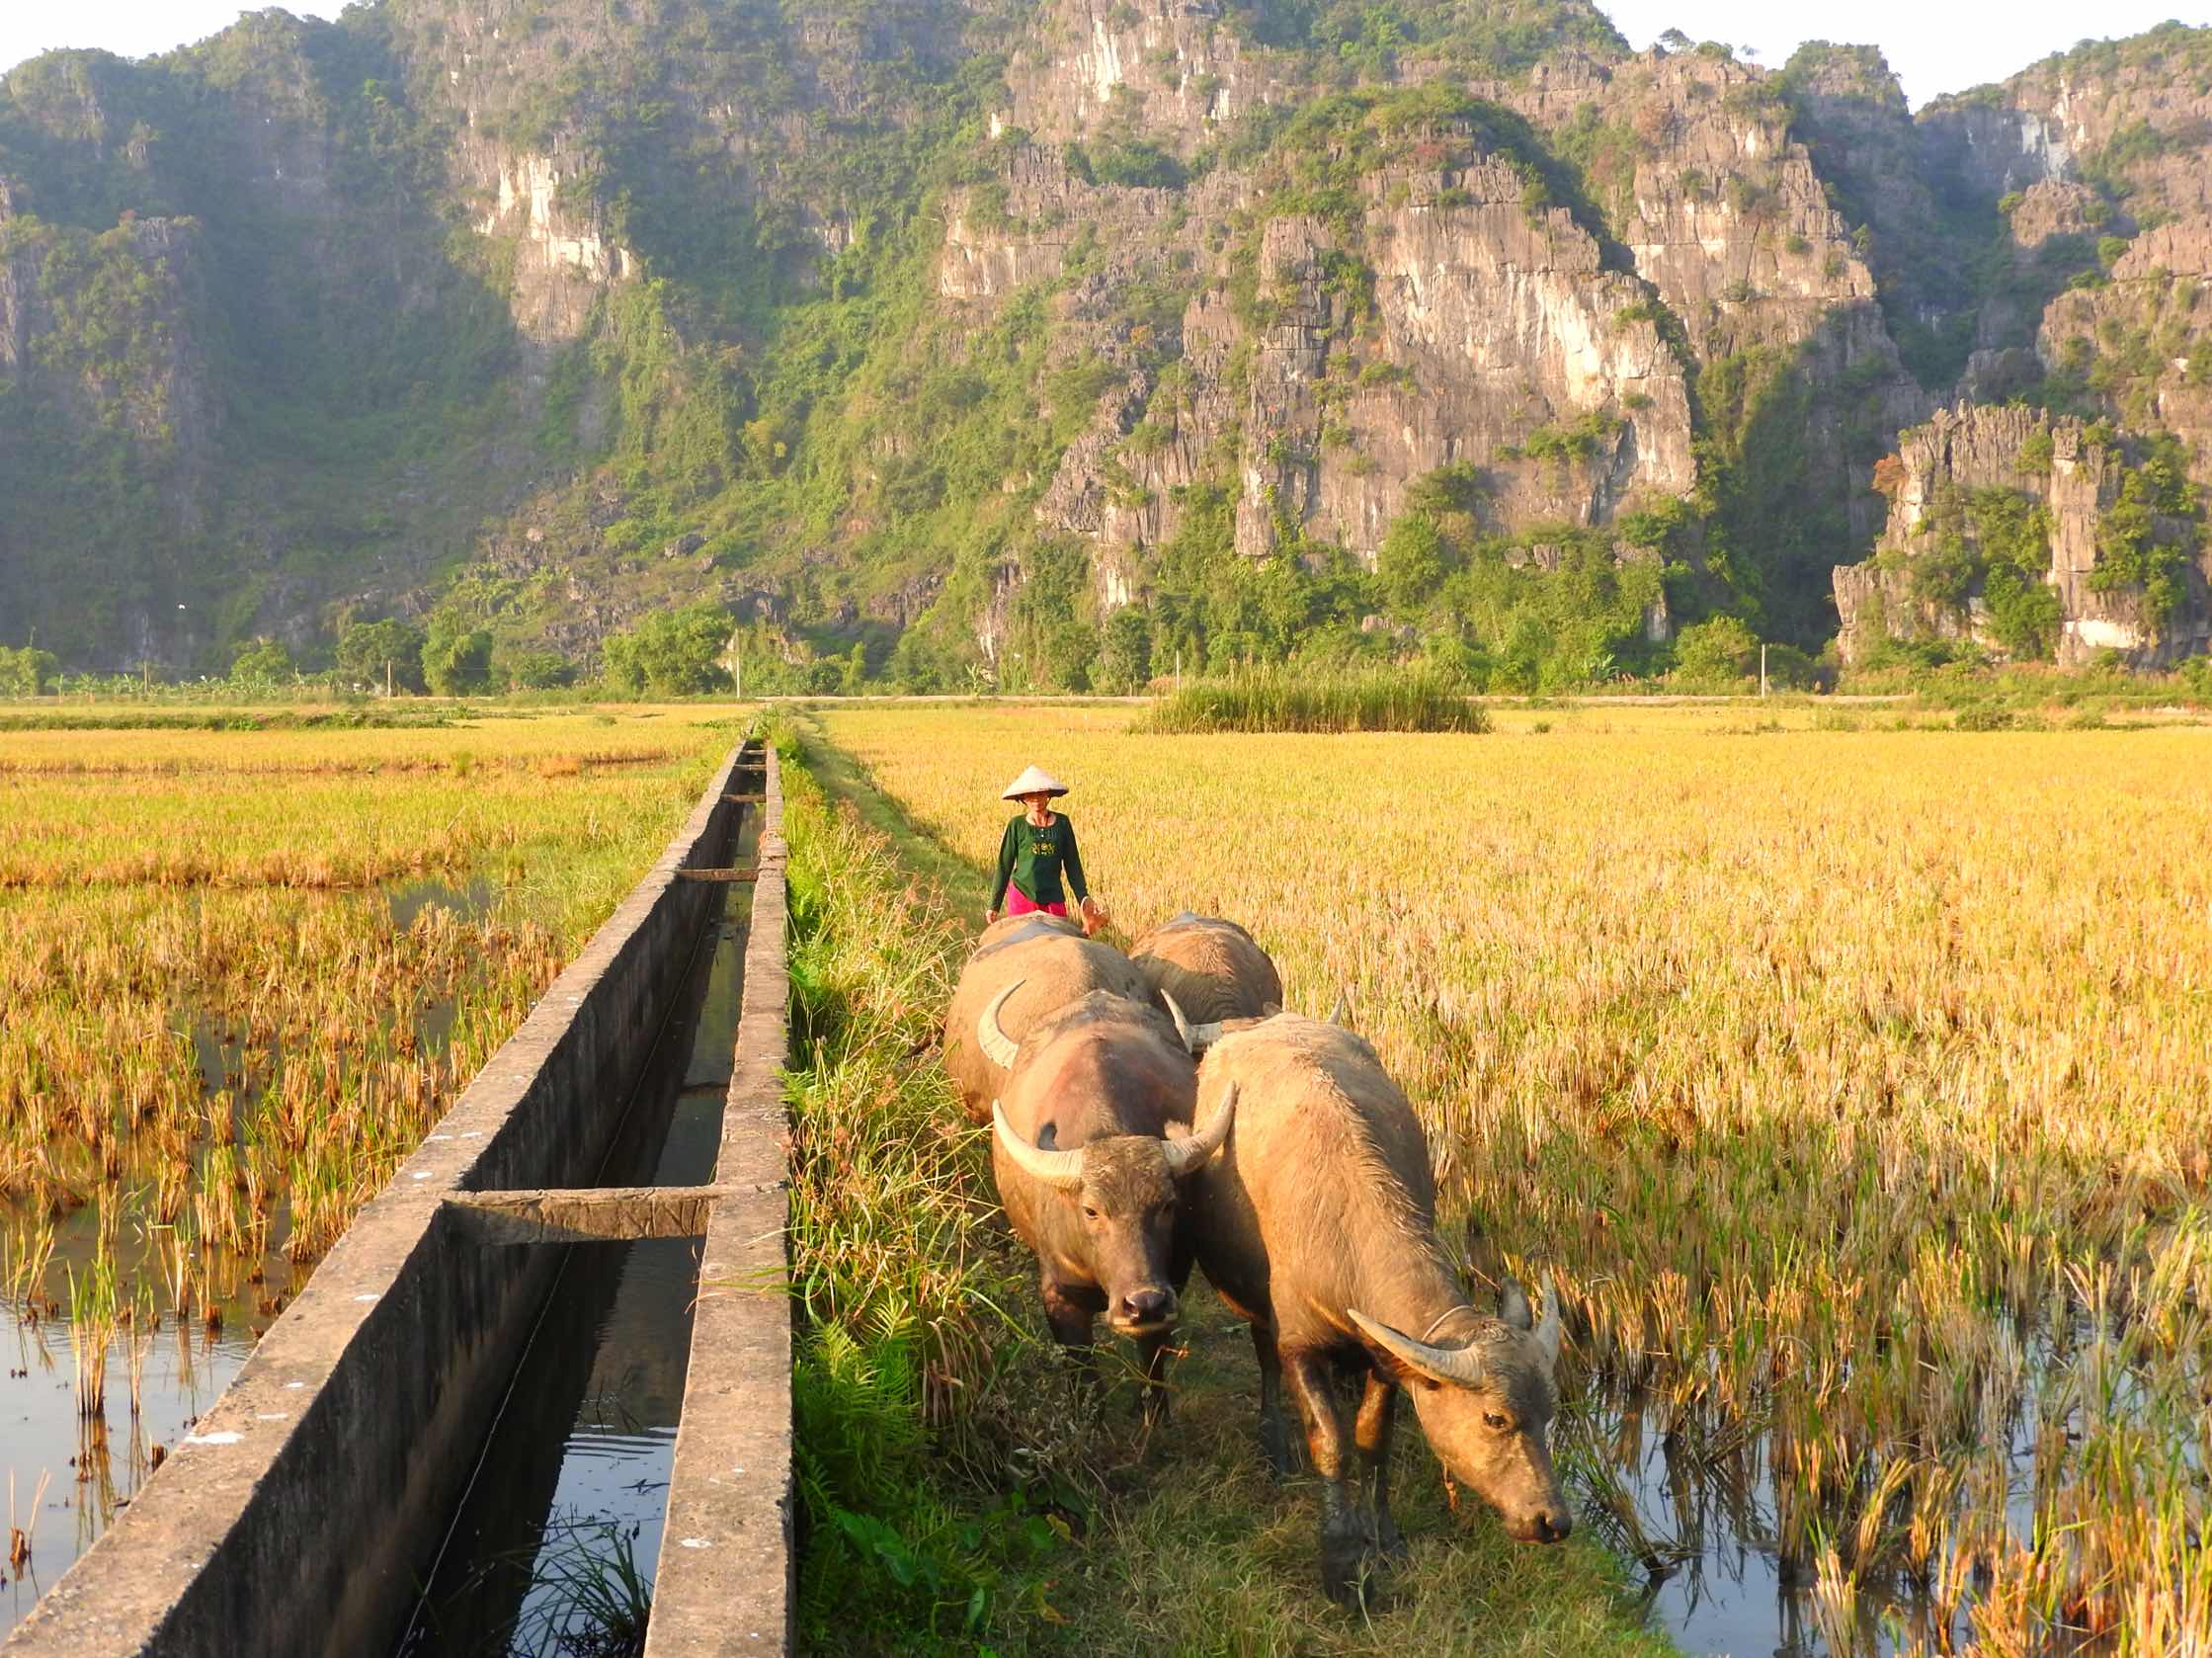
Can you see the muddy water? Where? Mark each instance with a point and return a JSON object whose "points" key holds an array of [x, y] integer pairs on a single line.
{"points": [[1708, 1528]]}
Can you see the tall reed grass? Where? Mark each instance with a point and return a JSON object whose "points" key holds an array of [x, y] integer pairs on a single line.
{"points": [[1290, 699]]}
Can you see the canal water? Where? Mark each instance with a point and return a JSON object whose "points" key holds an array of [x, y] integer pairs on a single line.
{"points": [[556, 1542]]}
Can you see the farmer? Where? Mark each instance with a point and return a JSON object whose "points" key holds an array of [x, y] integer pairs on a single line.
{"points": [[1036, 853]]}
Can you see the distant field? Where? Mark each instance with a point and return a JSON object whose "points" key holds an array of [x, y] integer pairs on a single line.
{"points": [[242, 973], [1854, 1082]]}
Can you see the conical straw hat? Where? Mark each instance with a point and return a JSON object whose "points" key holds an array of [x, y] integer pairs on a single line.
{"points": [[1034, 780]]}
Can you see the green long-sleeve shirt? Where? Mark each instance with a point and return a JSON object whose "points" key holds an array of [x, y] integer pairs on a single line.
{"points": [[1034, 859]]}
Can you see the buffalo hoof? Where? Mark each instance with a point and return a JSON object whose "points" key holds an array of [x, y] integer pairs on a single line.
{"points": [[1389, 1540], [1347, 1563]]}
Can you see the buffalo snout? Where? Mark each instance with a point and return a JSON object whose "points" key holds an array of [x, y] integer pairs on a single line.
{"points": [[1150, 1309], [1545, 1523]]}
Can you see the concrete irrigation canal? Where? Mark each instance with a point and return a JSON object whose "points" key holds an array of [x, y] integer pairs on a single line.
{"points": [[616, 1174]]}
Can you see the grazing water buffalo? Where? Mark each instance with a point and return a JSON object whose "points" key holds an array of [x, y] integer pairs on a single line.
{"points": [[1089, 1140], [1317, 1222], [1214, 969], [1053, 965]]}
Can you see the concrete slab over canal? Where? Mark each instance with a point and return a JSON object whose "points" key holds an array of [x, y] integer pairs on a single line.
{"points": [[302, 1514]]}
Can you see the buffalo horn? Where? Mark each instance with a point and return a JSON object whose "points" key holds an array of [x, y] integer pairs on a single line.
{"points": [[998, 1048], [1185, 1155], [1060, 1170], [1196, 1038], [1459, 1367]]}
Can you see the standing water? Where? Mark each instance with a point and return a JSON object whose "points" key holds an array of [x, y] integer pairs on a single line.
{"points": [[104, 1290]]}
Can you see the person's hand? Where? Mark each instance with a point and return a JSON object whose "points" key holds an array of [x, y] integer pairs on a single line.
{"points": [[1094, 916], [989, 915]]}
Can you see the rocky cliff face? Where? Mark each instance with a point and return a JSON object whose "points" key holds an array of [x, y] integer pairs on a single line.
{"points": [[2089, 300], [2142, 339], [984, 321], [1975, 489]]}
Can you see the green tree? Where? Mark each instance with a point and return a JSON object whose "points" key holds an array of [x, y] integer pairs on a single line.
{"points": [[1411, 564], [26, 671], [1126, 652], [264, 662], [535, 669], [1720, 649], [456, 658], [672, 653], [367, 648]]}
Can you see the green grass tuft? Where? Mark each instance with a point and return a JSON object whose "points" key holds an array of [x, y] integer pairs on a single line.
{"points": [[1289, 699]]}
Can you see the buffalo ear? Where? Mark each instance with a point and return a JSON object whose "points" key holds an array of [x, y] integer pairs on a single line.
{"points": [[1513, 1308], [1549, 1331]]}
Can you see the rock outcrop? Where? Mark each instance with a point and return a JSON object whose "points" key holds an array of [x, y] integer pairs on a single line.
{"points": [[1927, 580]]}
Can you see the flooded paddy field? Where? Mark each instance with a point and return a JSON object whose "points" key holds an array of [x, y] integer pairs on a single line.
{"points": [[241, 974], [1850, 1083]]}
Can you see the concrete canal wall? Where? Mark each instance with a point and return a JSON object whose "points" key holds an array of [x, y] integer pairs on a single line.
{"points": [[302, 1514]]}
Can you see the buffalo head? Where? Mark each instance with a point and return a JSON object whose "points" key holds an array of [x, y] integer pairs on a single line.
{"points": [[1122, 1189], [1487, 1406]]}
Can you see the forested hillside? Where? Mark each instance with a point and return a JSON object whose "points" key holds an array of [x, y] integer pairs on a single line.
{"points": [[1050, 342]]}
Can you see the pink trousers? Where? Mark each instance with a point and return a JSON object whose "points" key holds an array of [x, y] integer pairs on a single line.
{"points": [[1019, 902]]}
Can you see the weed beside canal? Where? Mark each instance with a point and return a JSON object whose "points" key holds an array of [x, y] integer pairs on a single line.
{"points": [[918, 1532]]}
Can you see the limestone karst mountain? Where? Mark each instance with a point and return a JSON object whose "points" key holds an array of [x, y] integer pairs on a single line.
{"points": [[1055, 337]]}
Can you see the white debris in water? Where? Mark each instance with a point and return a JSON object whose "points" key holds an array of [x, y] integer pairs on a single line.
{"points": [[214, 1438], [695, 1543], [273, 1415], [368, 1297], [424, 1174]]}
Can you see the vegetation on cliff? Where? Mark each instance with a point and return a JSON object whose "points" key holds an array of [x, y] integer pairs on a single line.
{"points": [[533, 326]]}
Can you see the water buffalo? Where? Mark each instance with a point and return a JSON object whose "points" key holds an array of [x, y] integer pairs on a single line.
{"points": [[1089, 1140], [1054, 965], [1213, 969], [1317, 1222]]}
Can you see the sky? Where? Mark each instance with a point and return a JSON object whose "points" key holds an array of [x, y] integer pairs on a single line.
{"points": [[1934, 47]]}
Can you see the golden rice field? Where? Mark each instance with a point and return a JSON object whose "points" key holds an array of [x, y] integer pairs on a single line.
{"points": [[1855, 1083], [241, 974]]}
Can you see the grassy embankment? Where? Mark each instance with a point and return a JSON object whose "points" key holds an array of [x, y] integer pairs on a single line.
{"points": [[949, 1502]]}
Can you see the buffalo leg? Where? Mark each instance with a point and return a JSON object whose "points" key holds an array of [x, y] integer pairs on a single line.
{"points": [[1378, 1412], [1343, 1532], [1274, 1428], [1154, 1350], [1070, 1315]]}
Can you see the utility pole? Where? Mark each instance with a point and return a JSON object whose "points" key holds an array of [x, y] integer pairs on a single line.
{"points": [[1762, 670], [387, 679]]}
